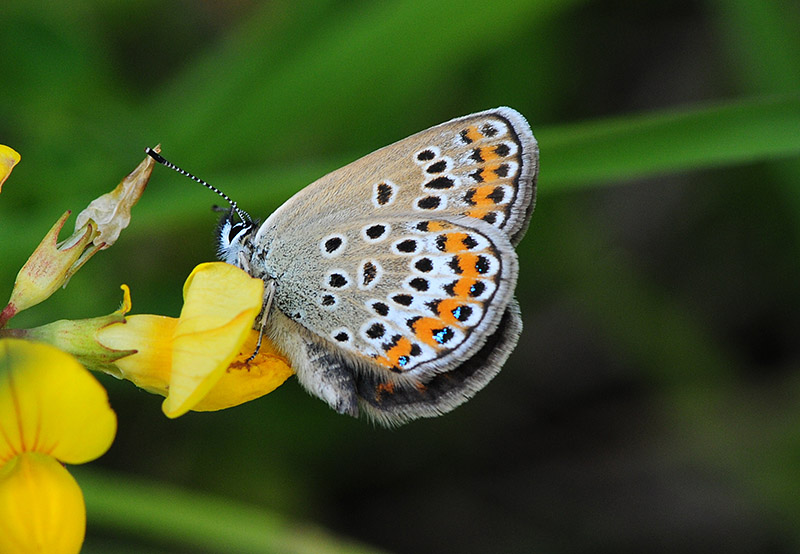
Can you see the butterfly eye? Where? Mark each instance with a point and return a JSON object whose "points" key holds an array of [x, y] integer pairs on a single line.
{"points": [[233, 239], [235, 230]]}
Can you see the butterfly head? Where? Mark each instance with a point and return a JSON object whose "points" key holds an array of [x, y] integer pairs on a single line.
{"points": [[234, 237]]}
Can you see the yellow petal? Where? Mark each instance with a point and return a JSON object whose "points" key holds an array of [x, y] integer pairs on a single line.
{"points": [[50, 404], [41, 507], [220, 305], [8, 159], [213, 292], [242, 381], [151, 336], [112, 211], [150, 368]]}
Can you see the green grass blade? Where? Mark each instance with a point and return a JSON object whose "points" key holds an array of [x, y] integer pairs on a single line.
{"points": [[675, 140], [763, 48], [173, 516]]}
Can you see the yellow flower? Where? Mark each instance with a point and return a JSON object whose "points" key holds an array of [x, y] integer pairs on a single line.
{"points": [[51, 410], [8, 159], [199, 361]]}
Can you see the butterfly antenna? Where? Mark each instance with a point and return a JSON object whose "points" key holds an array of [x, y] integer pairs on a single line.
{"points": [[160, 159]]}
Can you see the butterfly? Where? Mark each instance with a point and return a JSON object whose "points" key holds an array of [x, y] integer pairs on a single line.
{"points": [[390, 282]]}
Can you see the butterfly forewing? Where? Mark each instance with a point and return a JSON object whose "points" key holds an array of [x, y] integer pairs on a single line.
{"points": [[482, 166]]}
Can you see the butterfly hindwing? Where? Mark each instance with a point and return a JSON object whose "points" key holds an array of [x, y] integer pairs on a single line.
{"points": [[411, 301]]}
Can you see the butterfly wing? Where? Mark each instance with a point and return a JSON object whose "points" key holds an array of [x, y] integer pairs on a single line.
{"points": [[482, 166], [402, 263]]}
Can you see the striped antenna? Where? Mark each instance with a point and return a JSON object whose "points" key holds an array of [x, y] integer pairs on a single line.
{"points": [[160, 159]]}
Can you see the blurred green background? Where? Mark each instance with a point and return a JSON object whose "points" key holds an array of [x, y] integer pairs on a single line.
{"points": [[653, 403]]}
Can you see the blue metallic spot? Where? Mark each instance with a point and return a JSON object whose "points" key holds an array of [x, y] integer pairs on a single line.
{"points": [[477, 289], [443, 335], [462, 313]]}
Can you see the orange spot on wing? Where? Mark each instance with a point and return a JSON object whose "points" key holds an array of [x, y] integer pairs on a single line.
{"points": [[455, 242], [393, 355], [486, 174], [481, 196], [445, 310], [425, 327], [464, 286], [473, 134], [384, 388], [488, 153], [478, 213], [434, 226], [490, 172], [467, 263]]}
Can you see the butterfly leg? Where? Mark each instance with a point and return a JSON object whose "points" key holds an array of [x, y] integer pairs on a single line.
{"points": [[262, 320]]}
